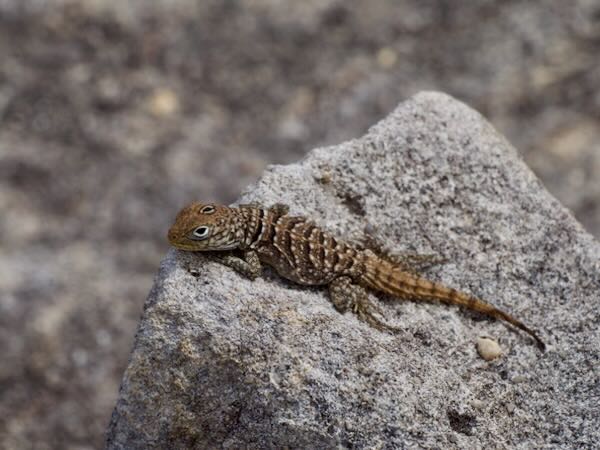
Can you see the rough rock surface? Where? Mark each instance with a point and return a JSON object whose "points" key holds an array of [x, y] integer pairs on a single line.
{"points": [[114, 113], [223, 361]]}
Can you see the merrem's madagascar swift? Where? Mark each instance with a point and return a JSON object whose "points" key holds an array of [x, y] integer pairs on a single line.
{"points": [[302, 252]]}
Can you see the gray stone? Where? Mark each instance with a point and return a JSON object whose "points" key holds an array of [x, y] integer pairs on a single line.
{"points": [[222, 361]]}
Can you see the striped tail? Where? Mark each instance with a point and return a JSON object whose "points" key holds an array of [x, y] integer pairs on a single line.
{"points": [[384, 276]]}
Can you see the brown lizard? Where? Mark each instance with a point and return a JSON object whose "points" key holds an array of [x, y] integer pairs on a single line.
{"points": [[302, 252]]}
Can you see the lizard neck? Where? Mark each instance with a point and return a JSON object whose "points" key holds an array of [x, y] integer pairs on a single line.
{"points": [[253, 220]]}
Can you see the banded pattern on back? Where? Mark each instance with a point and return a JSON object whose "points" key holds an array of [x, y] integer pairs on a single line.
{"points": [[283, 242], [298, 248], [255, 226]]}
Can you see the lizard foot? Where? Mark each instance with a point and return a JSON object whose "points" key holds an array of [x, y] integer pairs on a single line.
{"points": [[346, 295], [248, 266]]}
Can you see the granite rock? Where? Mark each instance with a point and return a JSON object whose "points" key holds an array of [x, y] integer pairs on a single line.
{"points": [[222, 361]]}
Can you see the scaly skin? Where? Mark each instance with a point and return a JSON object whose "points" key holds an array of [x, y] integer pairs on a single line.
{"points": [[302, 252]]}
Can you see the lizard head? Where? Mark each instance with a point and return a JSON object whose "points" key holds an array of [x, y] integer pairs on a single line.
{"points": [[205, 227]]}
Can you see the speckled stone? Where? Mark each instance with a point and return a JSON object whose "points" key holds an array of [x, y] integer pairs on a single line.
{"points": [[220, 360]]}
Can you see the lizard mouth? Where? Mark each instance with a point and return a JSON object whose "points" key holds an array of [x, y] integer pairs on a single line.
{"points": [[189, 248], [172, 237], [194, 247]]}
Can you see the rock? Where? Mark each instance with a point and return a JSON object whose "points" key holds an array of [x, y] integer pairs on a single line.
{"points": [[488, 348], [222, 361], [163, 102]]}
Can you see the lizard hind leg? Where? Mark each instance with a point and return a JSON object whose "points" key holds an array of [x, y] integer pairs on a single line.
{"points": [[345, 294], [413, 263]]}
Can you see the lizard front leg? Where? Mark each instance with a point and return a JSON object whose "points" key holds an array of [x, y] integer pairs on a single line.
{"points": [[280, 209], [345, 294], [249, 265]]}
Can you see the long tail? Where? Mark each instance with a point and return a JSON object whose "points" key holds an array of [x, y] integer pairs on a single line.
{"points": [[384, 276]]}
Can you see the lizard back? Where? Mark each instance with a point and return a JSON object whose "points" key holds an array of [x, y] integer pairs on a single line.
{"points": [[300, 250]]}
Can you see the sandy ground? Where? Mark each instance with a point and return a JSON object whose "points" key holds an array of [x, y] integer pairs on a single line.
{"points": [[115, 114]]}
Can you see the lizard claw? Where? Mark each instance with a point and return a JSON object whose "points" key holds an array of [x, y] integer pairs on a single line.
{"points": [[365, 310]]}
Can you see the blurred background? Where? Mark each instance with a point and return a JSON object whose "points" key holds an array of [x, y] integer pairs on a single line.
{"points": [[114, 114]]}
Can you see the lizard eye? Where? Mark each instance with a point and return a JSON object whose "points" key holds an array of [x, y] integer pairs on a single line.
{"points": [[208, 209], [201, 233]]}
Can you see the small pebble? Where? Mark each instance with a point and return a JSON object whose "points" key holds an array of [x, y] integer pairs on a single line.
{"points": [[519, 379], [488, 348], [477, 404]]}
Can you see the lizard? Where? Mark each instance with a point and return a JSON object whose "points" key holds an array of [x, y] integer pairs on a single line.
{"points": [[247, 236]]}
